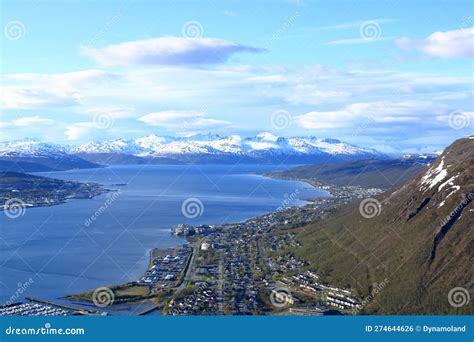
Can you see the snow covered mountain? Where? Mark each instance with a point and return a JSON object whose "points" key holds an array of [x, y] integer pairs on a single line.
{"points": [[261, 148], [28, 155], [30, 147], [153, 145]]}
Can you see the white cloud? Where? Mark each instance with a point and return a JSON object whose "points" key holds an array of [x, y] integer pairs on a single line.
{"points": [[32, 121], [461, 115], [169, 117], [116, 112], [168, 51], [131, 93], [35, 90], [314, 95], [203, 123], [448, 44], [80, 130], [182, 120], [27, 97], [377, 112], [246, 94], [68, 79], [395, 119], [30, 126], [28, 122], [352, 41], [312, 31], [324, 120]]}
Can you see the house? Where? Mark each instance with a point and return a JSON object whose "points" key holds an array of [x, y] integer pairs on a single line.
{"points": [[170, 277], [183, 229]]}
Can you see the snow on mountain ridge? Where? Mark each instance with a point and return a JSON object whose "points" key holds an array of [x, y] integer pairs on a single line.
{"points": [[29, 147], [267, 136], [153, 145]]}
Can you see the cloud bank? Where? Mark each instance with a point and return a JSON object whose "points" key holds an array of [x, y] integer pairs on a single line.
{"points": [[448, 44], [187, 120], [168, 51]]}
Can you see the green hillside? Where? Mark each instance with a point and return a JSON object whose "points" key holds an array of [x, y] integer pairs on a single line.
{"points": [[420, 239]]}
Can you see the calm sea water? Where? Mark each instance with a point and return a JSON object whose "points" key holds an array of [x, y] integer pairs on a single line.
{"points": [[62, 254]]}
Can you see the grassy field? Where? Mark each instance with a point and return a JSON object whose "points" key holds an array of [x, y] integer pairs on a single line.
{"points": [[122, 293]]}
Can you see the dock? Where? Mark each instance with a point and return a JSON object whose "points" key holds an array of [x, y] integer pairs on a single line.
{"points": [[148, 310], [76, 309]]}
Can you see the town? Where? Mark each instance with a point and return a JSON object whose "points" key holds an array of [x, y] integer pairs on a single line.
{"points": [[166, 267], [248, 268]]}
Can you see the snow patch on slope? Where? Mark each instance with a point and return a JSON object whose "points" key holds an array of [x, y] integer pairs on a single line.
{"points": [[434, 176]]}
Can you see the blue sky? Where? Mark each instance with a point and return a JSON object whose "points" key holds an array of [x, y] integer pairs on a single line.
{"points": [[394, 75]]}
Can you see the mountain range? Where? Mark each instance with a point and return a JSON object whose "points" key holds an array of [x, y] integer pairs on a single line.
{"points": [[209, 148]]}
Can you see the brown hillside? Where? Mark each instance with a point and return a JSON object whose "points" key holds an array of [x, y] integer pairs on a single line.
{"points": [[420, 238]]}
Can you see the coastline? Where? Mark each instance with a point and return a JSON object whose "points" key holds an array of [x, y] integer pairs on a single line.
{"points": [[346, 193], [195, 242], [85, 191]]}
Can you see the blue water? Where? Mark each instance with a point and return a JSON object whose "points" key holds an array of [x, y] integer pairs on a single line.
{"points": [[62, 254]]}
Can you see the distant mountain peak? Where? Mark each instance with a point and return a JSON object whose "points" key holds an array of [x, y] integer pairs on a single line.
{"points": [[267, 136], [331, 141], [263, 147]]}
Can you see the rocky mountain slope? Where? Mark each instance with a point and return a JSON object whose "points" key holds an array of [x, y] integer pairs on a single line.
{"points": [[417, 240]]}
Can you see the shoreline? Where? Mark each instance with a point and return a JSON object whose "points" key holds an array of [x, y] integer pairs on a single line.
{"points": [[348, 192], [44, 205], [92, 190], [194, 240]]}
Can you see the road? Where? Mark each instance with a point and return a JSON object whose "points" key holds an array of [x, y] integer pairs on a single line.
{"points": [[187, 275], [220, 286]]}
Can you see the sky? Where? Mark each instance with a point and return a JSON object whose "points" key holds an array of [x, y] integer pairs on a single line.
{"points": [[392, 75]]}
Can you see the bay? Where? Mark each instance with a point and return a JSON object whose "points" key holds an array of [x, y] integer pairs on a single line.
{"points": [[61, 250]]}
